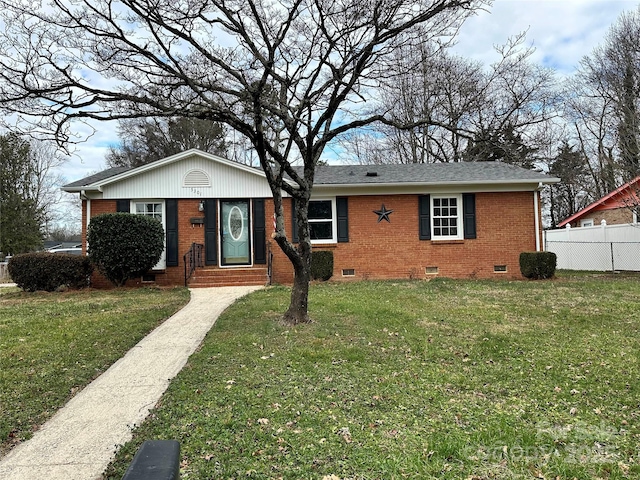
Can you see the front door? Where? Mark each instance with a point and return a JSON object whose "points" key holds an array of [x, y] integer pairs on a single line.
{"points": [[234, 232]]}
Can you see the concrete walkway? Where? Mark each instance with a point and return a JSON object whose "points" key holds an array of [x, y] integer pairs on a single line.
{"points": [[80, 440]]}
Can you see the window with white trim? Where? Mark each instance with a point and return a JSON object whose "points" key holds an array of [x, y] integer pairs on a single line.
{"points": [[149, 209], [446, 217], [586, 222], [322, 225]]}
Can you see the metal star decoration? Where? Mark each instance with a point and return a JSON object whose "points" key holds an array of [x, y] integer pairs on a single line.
{"points": [[383, 214]]}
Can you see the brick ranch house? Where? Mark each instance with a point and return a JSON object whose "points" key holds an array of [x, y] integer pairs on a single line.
{"points": [[380, 222], [618, 207]]}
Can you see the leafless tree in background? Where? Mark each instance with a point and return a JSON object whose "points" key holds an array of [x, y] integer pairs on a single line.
{"points": [[458, 109], [603, 106]]}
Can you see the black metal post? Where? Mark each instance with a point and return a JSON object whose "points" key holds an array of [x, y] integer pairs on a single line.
{"points": [[613, 269]]}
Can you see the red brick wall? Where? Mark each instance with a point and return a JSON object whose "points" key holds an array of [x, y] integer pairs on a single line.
{"points": [[187, 234], [282, 272], [505, 228], [384, 250]]}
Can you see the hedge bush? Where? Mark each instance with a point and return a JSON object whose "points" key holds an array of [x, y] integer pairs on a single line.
{"points": [[538, 265], [49, 271], [124, 246], [321, 265]]}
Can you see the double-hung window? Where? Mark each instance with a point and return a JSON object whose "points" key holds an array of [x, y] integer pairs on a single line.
{"points": [[328, 220], [446, 218], [322, 225], [149, 209]]}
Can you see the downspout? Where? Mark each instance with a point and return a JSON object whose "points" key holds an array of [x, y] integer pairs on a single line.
{"points": [[83, 196], [536, 213]]}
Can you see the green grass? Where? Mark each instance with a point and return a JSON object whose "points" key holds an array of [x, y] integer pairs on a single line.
{"points": [[53, 344], [442, 379]]}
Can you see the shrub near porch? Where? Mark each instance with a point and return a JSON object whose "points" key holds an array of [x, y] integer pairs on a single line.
{"points": [[441, 379]]}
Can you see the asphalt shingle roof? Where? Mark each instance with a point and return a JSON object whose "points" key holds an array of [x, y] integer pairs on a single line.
{"points": [[96, 177], [425, 173]]}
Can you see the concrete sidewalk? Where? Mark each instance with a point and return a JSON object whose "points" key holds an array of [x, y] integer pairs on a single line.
{"points": [[80, 440]]}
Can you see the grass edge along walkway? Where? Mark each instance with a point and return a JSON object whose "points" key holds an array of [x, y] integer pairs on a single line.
{"points": [[441, 379], [53, 344]]}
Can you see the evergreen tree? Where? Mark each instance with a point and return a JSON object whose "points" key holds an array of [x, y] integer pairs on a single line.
{"points": [[147, 140], [20, 216]]}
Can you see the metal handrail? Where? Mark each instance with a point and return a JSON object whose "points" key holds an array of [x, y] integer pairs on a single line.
{"points": [[192, 259]]}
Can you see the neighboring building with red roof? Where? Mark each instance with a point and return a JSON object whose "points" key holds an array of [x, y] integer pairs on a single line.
{"points": [[617, 208]]}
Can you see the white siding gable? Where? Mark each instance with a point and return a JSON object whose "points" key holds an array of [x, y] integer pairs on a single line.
{"points": [[191, 177]]}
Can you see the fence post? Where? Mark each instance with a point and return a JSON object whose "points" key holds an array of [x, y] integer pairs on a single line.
{"points": [[613, 269]]}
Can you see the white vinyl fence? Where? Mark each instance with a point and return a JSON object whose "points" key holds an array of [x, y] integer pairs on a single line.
{"points": [[601, 248]]}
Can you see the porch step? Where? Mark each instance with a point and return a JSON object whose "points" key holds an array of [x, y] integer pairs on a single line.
{"points": [[227, 277]]}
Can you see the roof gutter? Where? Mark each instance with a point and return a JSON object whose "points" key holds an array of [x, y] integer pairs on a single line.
{"points": [[82, 189], [540, 183]]}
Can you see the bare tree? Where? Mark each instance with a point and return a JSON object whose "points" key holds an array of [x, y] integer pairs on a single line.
{"points": [[472, 112], [590, 114], [605, 105], [46, 179], [296, 74], [568, 196]]}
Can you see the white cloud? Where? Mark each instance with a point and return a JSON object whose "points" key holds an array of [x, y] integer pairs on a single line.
{"points": [[562, 31]]}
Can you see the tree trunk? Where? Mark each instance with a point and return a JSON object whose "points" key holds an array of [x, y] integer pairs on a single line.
{"points": [[298, 308], [300, 258]]}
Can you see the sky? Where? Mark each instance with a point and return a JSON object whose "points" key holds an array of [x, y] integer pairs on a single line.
{"points": [[561, 31]]}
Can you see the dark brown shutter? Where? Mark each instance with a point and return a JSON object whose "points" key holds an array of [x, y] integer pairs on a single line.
{"points": [[123, 206], [469, 214], [259, 232], [424, 217], [342, 207], [171, 206], [210, 231]]}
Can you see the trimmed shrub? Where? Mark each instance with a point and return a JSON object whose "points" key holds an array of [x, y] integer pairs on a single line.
{"points": [[321, 265], [124, 246], [49, 271], [538, 265]]}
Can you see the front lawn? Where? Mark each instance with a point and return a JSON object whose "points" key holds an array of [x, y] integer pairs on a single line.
{"points": [[442, 379], [53, 344]]}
